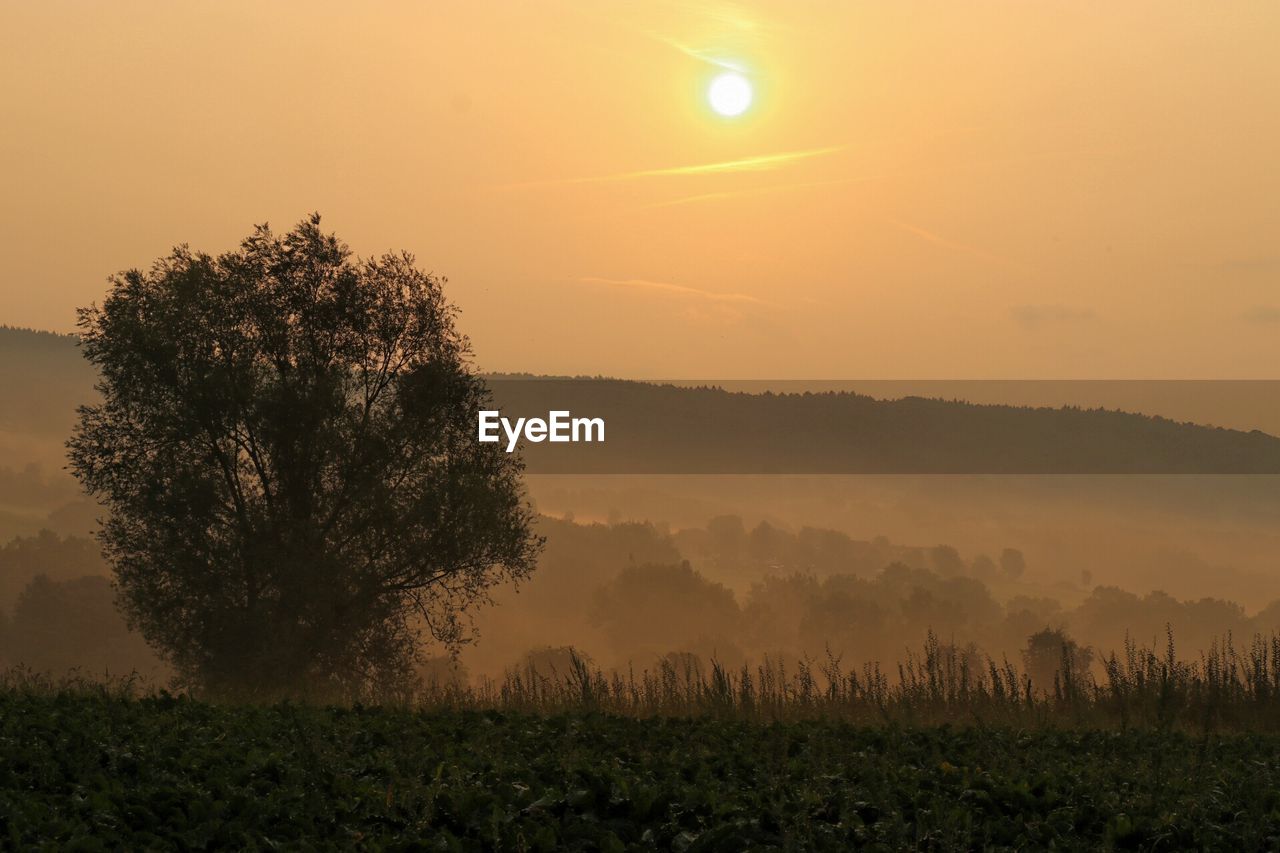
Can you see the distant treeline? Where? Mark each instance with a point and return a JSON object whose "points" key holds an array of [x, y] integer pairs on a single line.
{"points": [[42, 380], [632, 594], [668, 429]]}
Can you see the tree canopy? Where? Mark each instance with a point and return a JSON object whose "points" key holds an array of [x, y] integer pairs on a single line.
{"points": [[285, 445]]}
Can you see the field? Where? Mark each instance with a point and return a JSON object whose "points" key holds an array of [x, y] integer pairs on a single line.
{"points": [[85, 769]]}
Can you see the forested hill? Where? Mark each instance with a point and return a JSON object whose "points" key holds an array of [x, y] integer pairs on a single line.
{"points": [[42, 379], [658, 428], [653, 428]]}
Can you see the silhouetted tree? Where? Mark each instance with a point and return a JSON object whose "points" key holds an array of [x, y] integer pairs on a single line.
{"points": [[728, 538], [1012, 563], [551, 664], [1051, 653], [285, 446], [946, 561], [983, 568], [654, 609], [58, 626], [683, 666], [442, 672], [59, 558]]}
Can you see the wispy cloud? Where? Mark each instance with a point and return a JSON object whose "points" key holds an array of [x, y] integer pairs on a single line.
{"points": [[954, 245], [693, 305], [1039, 316], [727, 195], [1246, 264], [733, 16], [1264, 314], [760, 163], [710, 57], [734, 28], [676, 290]]}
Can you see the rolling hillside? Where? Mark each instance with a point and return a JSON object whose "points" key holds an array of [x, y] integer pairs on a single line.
{"points": [[666, 429]]}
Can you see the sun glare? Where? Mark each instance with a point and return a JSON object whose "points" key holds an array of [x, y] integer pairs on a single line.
{"points": [[730, 94]]}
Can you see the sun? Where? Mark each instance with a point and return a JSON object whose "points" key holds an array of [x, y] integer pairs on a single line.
{"points": [[730, 94]]}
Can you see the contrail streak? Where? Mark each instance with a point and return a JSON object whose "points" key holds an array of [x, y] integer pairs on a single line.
{"points": [[857, 179], [700, 55], [963, 248], [750, 191], [761, 163], [673, 289]]}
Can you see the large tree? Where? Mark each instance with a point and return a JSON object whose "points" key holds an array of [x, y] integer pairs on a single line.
{"points": [[286, 448]]}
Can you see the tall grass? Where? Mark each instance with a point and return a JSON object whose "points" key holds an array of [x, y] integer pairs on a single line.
{"points": [[1228, 689]]}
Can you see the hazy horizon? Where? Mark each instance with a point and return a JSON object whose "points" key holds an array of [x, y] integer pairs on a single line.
{"points": [[979, 191], [722, 424]]}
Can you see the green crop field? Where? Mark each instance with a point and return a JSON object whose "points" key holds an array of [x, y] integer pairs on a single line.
{"points": [[80, 770]]}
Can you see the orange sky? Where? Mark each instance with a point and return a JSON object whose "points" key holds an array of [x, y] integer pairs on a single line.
{"points": [[977, 189]]}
